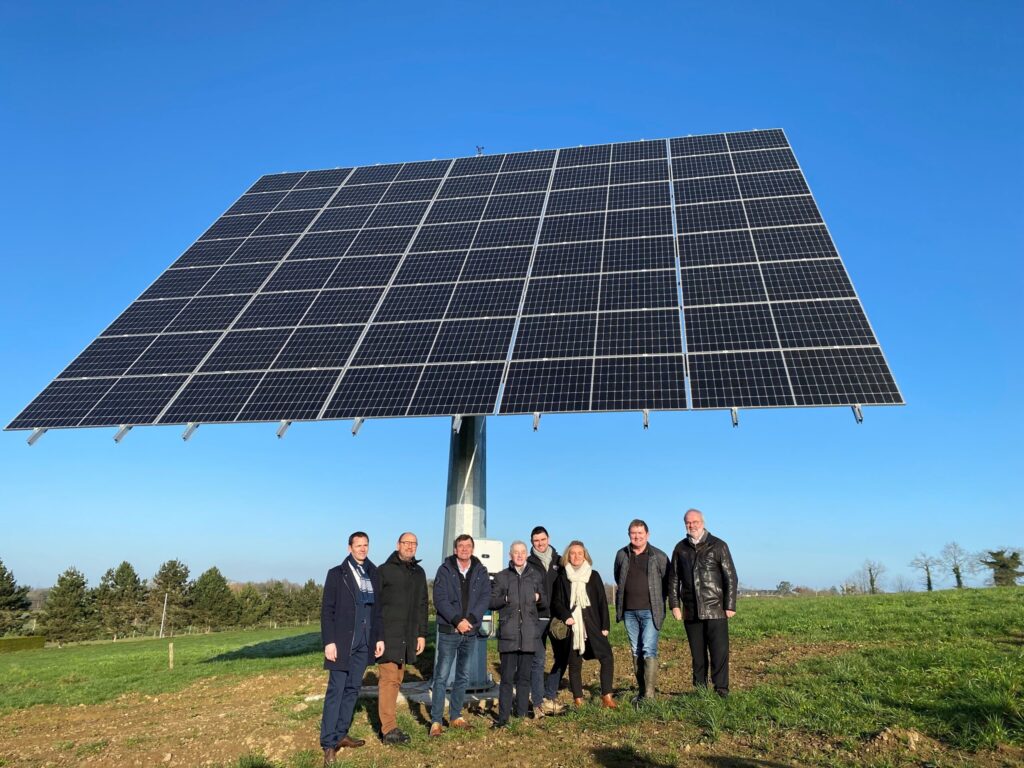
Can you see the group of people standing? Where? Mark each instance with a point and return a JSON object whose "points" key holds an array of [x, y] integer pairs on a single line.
{"points": [[540, 598]]}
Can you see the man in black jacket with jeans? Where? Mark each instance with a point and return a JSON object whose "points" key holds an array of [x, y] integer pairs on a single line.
{"points": [[704, 578]]}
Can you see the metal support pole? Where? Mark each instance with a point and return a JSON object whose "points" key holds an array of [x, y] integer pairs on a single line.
{"points": [[466, 505], [858, 414], [190, 430], [36, 434]]}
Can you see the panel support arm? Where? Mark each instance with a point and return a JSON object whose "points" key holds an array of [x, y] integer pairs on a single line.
{"points": [[283, 427], [735, 416], [357, 424], [536, 421], [190, 430], [36, 434], [124, 430], [858, 414]]}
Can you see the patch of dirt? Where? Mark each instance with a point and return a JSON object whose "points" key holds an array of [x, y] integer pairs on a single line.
{"points": [[219, 719]]}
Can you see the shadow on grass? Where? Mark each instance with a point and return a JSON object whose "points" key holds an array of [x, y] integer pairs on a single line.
{"points": [[297, 645], [743, 762]]}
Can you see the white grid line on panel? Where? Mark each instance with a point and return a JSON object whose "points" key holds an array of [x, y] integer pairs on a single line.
{"points": [[451, 297], [185, 305], [526, 284], [243, 309], [679, 275], [764, 285], [384, 293], [823, 223], [600, 284]]}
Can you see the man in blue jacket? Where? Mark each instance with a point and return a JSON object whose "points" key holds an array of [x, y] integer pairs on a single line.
{"points": [[462, 594], [350, 626]]}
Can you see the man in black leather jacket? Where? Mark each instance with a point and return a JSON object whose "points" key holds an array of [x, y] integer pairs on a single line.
{"points": [[704, 578]]}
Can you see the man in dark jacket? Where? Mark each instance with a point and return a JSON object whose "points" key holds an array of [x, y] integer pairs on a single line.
{"points": [[642, 582], [704, 578], [544, 691], [517, 594], [403, 586], [350, 627], [462, 594]]}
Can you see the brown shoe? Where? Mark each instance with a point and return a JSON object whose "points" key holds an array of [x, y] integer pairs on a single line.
{"points": [[330, 756], [350, 743], [460, 722], [608, 702], [577, 703], [435, 729]]}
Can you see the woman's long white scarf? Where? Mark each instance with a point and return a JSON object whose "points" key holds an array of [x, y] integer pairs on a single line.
{"points": [[578, 600]]}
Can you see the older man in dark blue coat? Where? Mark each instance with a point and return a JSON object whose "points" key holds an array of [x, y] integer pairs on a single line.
{"points": [[350, 626]]}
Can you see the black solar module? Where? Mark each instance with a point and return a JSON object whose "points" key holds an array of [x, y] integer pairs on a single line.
{"points": [[693, 272]]}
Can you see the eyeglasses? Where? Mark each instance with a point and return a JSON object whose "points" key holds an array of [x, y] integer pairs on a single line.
{"points": [[410, 543]]}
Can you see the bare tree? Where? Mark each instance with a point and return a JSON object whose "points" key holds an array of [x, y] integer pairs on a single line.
{"points": [[901, 583], [926, 564], [873, 571], [958, 561]]}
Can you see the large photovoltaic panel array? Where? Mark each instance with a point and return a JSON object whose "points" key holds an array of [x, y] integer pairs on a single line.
{"points": [[693, 272]]}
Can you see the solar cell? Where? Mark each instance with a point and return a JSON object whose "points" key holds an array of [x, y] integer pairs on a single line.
{"points": [[555, 280]]}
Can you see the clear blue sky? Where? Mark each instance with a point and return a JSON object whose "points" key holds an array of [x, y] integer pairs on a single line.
{"points": [[128, 127]]}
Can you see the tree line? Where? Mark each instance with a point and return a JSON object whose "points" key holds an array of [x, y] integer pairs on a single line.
{"points": [[953, 561], [124, 605]]}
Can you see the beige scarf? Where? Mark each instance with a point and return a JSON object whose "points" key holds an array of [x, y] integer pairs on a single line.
{"points": [[578, 600]]}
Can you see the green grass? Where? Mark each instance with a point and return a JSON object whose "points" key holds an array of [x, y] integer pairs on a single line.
{"points": [[949, 665], [96, 672]]}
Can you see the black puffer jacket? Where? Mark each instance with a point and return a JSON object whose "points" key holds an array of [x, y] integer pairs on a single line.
{"points": [[512, 596], [704, 578], [404, 607]]}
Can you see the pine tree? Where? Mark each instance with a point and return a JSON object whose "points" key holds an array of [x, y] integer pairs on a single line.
{"points": [[278, 604], [1005, 565], [14, 602], [170, 580], [252, 606], [213, 604], [309, 599], [121, 600], [69, 613]]}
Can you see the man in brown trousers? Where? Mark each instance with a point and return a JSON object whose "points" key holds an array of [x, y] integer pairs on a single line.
{"points": [[404, 607]]}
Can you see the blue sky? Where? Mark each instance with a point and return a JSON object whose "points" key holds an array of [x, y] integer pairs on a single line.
{"points": [[129, 127]]}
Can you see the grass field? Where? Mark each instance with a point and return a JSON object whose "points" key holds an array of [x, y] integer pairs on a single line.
{"points": [[908, 679]]}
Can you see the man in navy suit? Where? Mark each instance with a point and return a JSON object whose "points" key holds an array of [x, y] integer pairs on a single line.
{"points": [[350, 626]]}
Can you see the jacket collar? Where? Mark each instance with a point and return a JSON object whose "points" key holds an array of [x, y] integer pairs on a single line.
{"points": [[394, 558]]}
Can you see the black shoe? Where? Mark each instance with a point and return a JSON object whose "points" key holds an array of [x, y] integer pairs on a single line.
{"points": [[396, 736], [348, 742], [499, 724], [722, 692]]}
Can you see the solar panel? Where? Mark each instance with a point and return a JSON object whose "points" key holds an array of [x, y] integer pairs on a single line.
{"points": [[686, 273]]}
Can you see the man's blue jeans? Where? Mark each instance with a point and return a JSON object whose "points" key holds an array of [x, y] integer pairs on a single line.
{"points": [[342, 693], [451, 649], [643, 637]]}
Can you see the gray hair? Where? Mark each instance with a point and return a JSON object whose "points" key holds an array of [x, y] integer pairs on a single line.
{"points": [[697, 511], [517, 543]]}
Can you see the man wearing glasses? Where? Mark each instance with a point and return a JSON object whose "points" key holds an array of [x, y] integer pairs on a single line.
{"points": [[404, 608]]}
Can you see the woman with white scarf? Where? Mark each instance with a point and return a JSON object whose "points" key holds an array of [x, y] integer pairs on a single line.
{"points": [[578, 598]]}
